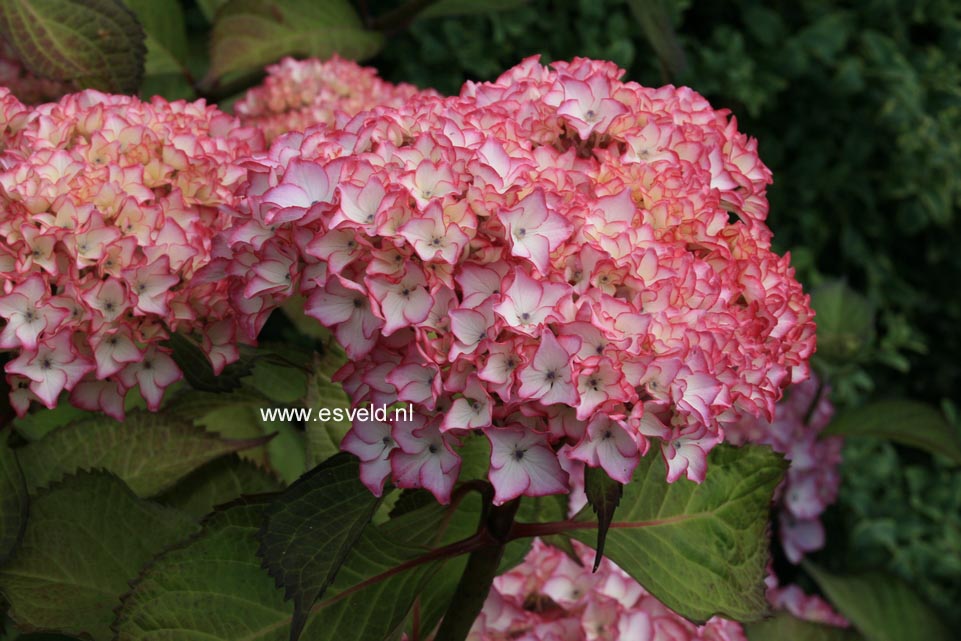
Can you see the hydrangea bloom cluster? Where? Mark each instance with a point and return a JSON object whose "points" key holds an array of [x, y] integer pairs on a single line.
{"points": [[807, 607], [550, 597], [108, 209], [13, 117], [299, 93], [570, 264], [812, 480], [530, 599], [27, 87]]}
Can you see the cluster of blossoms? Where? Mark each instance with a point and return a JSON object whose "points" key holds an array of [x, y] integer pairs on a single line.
{"points": [[108, 210], [812, 480], [27, 87], [571, 264], [300, 93], [551, 597]]}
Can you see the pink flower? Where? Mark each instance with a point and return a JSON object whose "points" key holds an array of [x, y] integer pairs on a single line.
{"points": [[548, 378], [549, 258], [109, 242], [152, 374], [473, 410], [535, 231], [401, 303], [550, 597], [28, 312], [607, 444], [586, 104], [372, 443], [53, 367], [301, 93], [528, 303], [344, 305], [433, 237], [424, 459], [523, 463], [686, 454]]}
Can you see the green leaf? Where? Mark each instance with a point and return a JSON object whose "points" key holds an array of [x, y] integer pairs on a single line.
{"points": [[293, 309], [784, 627], [198, 371], [309, 531], [370, 599], [234, 415], [14, 502], [150, 452], [166, 67], [881, 606], [700, 549], [279, 382], [467, 7], [217, 483], [324, 433], [436, 525], [163, 23], [210, 7], [214, 589], [36, 425], [13, 635], [237, 415], [475, 454], [85, 539], [171, 86], [197, 407], [249, 34], [909, 422], [655, 21], [845, 321], [90, 43], [603, 495], [211, 587], [287, 450]]}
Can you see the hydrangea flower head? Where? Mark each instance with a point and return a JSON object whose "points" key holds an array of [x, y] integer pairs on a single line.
{"points": [[573, 266], [110, 208], [13, 116], [552, 596], [299, 93]]}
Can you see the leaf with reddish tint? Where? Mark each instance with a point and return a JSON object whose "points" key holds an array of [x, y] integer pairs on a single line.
{"points": [[90, 43]]}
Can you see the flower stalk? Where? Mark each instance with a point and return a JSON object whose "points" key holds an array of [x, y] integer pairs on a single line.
{"points": [[482, 565]]}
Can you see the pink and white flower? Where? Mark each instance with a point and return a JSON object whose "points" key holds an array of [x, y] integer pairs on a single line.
{"points": [[550, 256], [523, 463]]}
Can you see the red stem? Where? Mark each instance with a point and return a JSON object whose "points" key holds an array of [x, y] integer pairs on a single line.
{"points": [[464, 546], [527, 530]]}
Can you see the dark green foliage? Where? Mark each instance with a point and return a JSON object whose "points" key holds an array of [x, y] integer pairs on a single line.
{"points": [[902, 510], [603, 495], [309, 531]]}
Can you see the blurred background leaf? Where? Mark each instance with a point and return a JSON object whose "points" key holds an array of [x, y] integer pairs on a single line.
{"points": [[87, 43]]}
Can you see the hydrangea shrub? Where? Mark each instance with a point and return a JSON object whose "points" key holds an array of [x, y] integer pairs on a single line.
{"points": [[565, 279]]}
